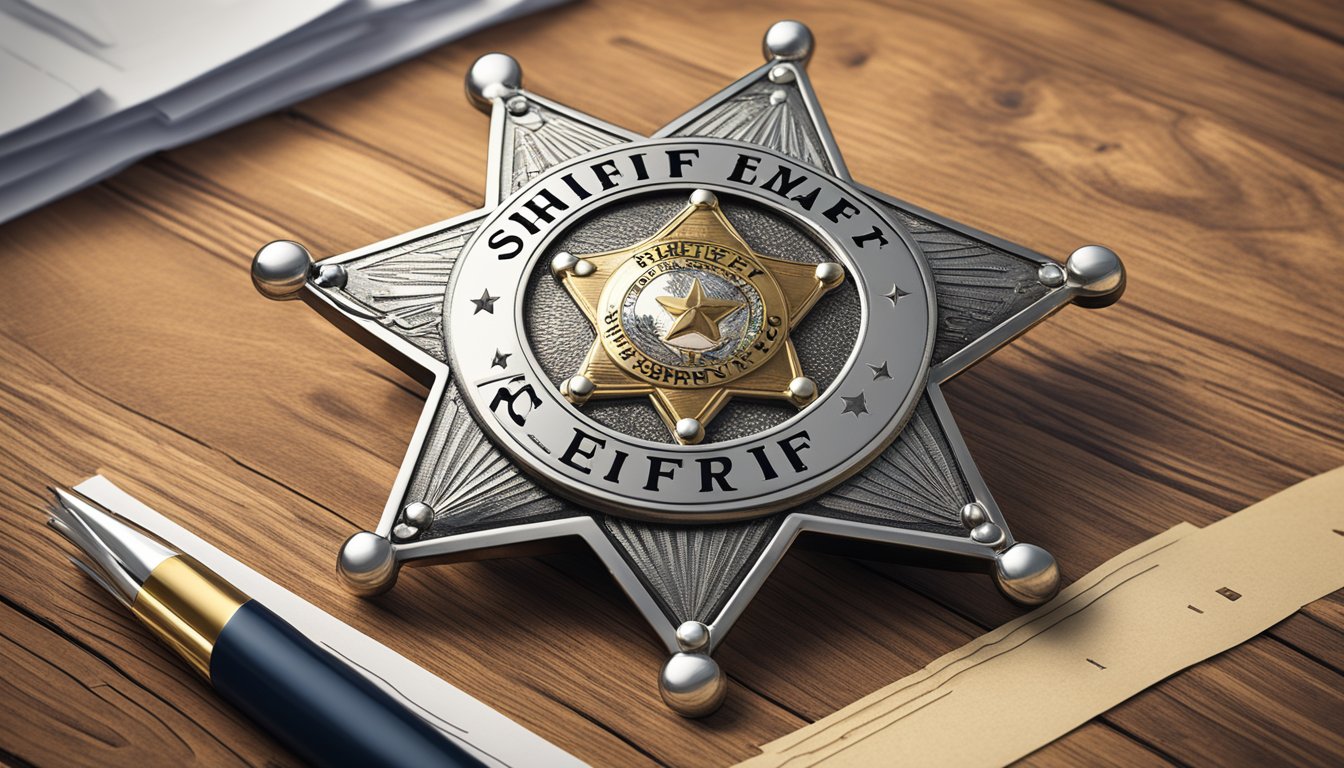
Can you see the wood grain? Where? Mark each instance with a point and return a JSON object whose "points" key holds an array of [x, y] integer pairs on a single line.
{"points": [[1200, 141]]}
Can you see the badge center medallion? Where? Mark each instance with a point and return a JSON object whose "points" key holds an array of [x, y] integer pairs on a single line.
{"points": [[695, 265], [690, 311], [682, 309]]}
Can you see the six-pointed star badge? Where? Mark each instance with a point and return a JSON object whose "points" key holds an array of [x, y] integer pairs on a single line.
{"points": [[685, 350]]}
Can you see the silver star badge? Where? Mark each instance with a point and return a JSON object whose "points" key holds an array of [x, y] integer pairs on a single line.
{"points": [[686, 350]]}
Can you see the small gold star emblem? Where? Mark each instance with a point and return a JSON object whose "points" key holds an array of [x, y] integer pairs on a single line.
{"points": [[696, 314], [692, 317]]}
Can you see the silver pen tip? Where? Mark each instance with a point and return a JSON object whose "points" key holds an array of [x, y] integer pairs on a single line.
{"points": [[122, 557]]}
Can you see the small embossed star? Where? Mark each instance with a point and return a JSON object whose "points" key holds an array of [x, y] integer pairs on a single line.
{"points": [[894, 294], [855, 405], [486, 303]]}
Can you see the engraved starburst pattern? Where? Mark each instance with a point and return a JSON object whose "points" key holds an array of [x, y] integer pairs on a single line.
{"points": [[978, 285], [403, 286], [691, 569], [468, 482], [542, 138], [914, 482], [767, 114]]}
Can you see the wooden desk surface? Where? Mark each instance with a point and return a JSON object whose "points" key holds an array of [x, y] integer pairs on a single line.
{"points": [[1201, 142]]}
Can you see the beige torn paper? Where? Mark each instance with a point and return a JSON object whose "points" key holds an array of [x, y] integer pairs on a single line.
{"points": [[1170, 602]]}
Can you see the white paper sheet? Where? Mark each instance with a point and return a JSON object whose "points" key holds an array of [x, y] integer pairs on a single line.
{"points": [[98, 84]]}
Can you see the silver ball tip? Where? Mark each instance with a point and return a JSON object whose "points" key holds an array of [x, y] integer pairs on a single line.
{"points": [[367, 564], [788, 40], [493, 76], [1097, 276], [1026, 574], [280, 269], [692, 684]]}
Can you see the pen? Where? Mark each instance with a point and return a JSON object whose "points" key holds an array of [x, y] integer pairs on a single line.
{"points": [[316, 704]]}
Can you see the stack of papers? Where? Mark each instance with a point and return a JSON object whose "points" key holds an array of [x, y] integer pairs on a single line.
{"points": [[89, 86]]}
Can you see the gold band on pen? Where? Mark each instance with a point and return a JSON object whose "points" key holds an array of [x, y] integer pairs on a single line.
{"points": [[187, 606]]}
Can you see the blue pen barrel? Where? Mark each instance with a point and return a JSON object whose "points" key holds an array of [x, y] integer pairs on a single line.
{"points": [[317, 705]]}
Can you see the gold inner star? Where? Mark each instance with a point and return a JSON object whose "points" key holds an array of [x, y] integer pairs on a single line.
{"points": [[714, 348]]}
